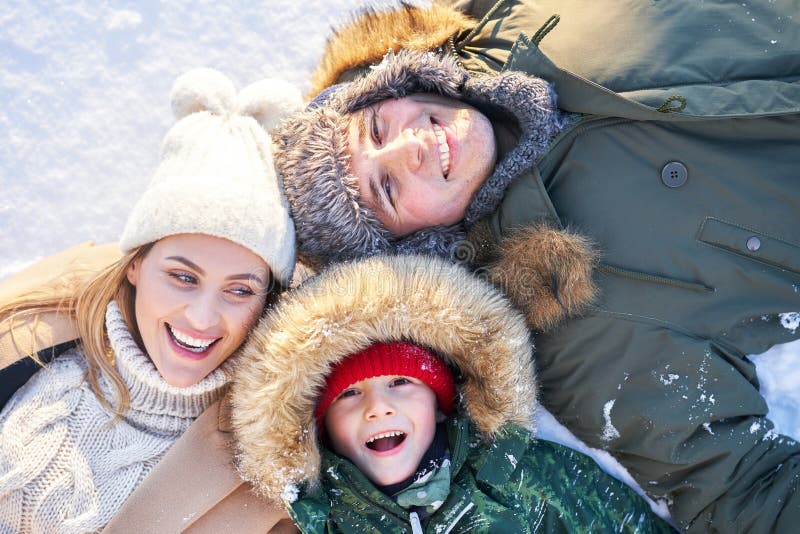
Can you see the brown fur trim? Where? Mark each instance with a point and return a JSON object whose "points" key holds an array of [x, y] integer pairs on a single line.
{"points": [[547, 273], [424, 300], [367, 38]]}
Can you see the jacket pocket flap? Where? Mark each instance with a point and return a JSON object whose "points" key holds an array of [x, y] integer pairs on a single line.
{"points": [[750, 243]]}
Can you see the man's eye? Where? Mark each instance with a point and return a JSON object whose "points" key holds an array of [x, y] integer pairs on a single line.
{"points": [[376, 133], [387, 188]]}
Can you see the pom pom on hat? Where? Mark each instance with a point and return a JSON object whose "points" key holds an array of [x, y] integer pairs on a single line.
{"points": [[216, 175], [269, 101], [397, 358], [202, 90]]}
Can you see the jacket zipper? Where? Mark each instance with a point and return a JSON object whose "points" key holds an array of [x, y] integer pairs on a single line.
{"points": [[416, 526], [653, 278]]}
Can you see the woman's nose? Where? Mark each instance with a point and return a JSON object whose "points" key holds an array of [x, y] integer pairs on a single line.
{"points": [[202, 312]]}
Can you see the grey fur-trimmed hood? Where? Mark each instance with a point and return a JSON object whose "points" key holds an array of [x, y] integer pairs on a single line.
{"points": [[312, 154], [424, 300]]}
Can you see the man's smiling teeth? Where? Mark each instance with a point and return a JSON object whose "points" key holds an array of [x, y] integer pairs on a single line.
{"points": [[189, 342], [444, 150], [385, 435]]}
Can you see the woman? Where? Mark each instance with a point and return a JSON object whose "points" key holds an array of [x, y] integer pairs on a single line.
{"points": [[204, 250]]}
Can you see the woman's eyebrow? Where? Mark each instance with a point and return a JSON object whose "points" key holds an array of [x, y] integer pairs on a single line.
{"points": [[194, 266], [248, 277], [188, 263]]}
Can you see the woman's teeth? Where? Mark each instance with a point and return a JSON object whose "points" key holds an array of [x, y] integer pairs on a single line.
{"points": [[190, 343], [444, 150]]}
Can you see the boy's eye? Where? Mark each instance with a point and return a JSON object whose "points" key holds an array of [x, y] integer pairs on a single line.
{"points": [[399, 381], [347, 393]]}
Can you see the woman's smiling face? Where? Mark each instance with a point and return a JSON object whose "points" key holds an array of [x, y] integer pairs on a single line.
{"points": [[420, 159], [197, 297]]}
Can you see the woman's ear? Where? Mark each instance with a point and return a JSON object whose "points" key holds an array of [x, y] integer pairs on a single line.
{"points": [[133, 271]]}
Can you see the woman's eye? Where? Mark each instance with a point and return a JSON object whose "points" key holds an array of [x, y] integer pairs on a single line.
{"points": [[347, 393], [184, 278], [242, 291], [400, 381]]}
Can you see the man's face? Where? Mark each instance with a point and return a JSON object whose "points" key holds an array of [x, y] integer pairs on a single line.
{"points": [[420, 159]]}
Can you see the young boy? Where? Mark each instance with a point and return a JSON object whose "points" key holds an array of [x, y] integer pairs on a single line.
{"points": [[397, 395]]}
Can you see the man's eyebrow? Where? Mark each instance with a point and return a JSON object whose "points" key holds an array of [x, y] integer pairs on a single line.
{"points": [[362, 127]]}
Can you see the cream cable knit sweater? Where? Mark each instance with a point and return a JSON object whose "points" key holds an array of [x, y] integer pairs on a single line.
{"points": [[63, 467]]}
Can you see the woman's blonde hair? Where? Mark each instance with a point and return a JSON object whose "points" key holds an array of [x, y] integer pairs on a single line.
{"points": [[84, 300]]}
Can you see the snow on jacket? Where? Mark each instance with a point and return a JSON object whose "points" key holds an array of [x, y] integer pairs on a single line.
{"points": [[683, 169], [501, 479]]}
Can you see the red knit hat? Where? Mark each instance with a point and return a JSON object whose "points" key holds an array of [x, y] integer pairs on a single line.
{"points": [[398, 358]]}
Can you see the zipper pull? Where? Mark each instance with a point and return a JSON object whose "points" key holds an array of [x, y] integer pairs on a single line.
{"points": [[416, 526]]}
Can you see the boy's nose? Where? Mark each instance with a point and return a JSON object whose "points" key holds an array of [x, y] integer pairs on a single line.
{"points": [[377, 406]]}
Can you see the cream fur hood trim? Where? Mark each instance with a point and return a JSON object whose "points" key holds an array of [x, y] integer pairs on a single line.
{"points": [[420, 299]]}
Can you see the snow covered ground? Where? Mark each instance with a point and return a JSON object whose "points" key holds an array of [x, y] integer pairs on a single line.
{"points": [[84, 105]]}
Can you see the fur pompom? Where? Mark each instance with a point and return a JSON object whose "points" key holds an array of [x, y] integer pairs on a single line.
{"points": [[547, 273], [202, 90], [269, 101]]}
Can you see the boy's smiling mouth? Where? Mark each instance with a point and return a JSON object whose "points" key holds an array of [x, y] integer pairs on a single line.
{"points": [[385, 441]]}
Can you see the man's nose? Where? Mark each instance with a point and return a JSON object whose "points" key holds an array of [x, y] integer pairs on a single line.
{"points": [[405, 151], [377, 406], [202, 312]]}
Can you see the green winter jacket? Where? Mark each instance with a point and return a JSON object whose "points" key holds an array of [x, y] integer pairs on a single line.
{"points": [[511, 485], [502, 481], [683, 168]]}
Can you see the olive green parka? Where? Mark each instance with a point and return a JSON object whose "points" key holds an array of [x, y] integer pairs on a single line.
{"points": [[683, 168]]}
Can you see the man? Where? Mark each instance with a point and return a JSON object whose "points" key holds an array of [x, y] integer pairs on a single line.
{"points": [[676, 157]]}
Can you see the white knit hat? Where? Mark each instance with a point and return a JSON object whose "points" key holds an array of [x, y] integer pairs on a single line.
{"points": [[216, 175]]}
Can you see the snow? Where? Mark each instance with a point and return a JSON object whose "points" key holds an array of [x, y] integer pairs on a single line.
{"points": [[85, 92], [85, 86], [609, 432]]}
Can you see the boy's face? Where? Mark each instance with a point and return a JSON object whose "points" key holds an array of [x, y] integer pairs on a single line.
{"points": [[419, 159], [384, 425]]}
